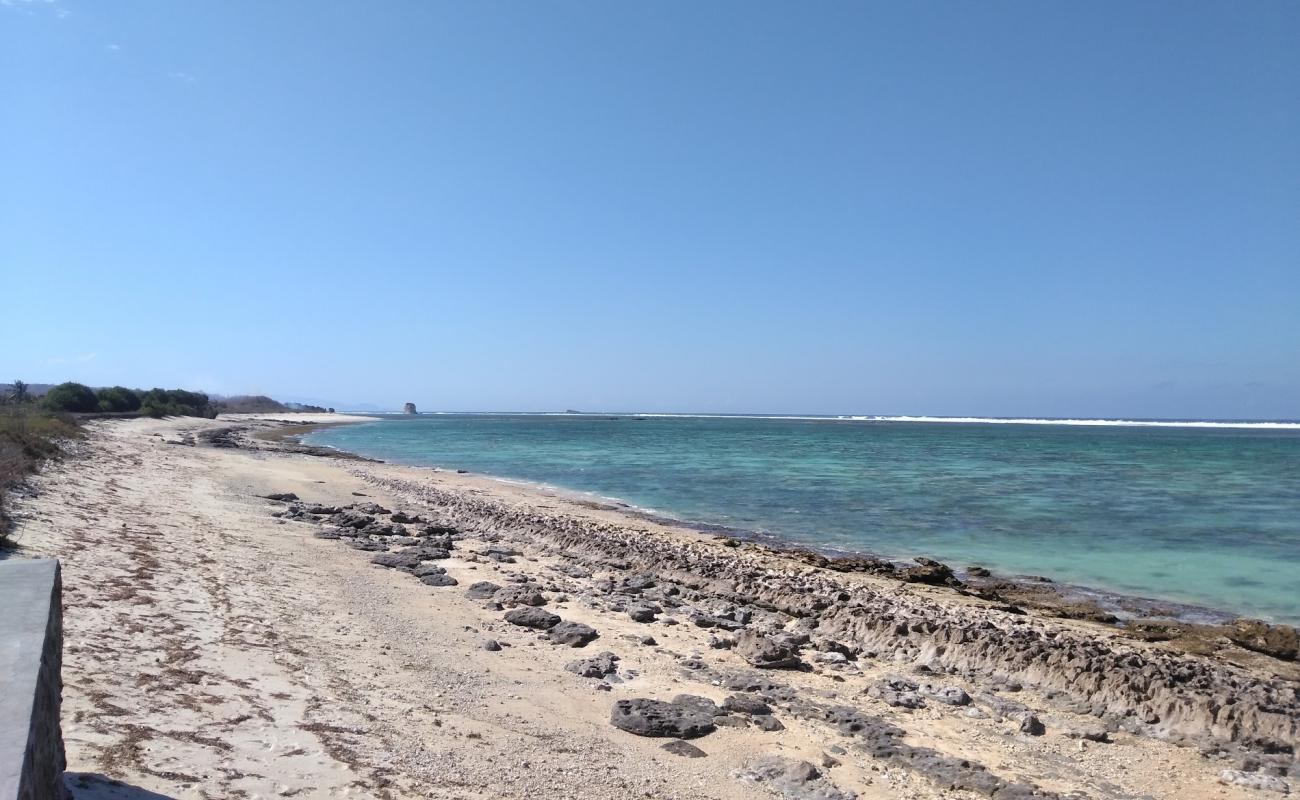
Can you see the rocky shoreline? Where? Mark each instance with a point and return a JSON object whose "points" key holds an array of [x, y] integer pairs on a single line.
{"points": [[898, 639]]}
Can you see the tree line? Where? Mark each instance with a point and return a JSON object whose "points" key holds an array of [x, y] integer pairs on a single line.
{"points": [[77, 398]]}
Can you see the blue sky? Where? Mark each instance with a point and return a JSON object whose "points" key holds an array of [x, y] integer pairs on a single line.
{"points": [[1002, 208]]}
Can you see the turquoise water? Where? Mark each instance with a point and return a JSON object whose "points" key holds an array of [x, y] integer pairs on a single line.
{"points": [[1209, 517]]}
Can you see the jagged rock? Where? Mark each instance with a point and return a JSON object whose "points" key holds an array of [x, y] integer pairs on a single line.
{"points": [[768, 652], [686, 717], [639, 582], [438, 580], [1254, 780], [792, 779], [367, 545], [482, 590], [491, 645], [930, 572], [532, 617], [681, 748], [948, 695], [284, 497], [512, 596], [1032, 725], [1182, 697], [371, 508], [875, 566], [327, 533], [396, 560], [745, 704], [408, 408], [1279, 641], [598, 666], [352, 519], [402, 516], [643, 613], [572, 634], [422, 570], [897, 692]]}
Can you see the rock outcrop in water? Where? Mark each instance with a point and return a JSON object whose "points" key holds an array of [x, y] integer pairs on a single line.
{"points": [[409, 408]]}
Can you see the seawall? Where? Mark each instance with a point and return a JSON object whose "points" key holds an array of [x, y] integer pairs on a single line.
{"points": [[31, 687]]}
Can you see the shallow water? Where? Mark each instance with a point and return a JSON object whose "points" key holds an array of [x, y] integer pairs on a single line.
{"points": [[1206, 516]]}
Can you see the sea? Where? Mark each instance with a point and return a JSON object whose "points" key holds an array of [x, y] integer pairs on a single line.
{"points": [[1204, 516]]}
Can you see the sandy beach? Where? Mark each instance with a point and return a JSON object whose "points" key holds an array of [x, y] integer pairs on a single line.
{"points": [[222, 644]]}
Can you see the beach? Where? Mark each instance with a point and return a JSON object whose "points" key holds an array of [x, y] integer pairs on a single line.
{"points": [[222, 644]]}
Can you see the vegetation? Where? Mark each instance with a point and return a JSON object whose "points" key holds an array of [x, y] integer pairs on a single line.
{"points": [[29, 435], [176, 403], [250, 404], [118, 399], [261, 404], [71, 397]]}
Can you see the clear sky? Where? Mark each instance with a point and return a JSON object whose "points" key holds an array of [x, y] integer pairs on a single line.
{"points": [[995, 208]]}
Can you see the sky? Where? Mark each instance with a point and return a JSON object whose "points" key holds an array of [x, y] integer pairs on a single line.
{"points": [[996, 208]]}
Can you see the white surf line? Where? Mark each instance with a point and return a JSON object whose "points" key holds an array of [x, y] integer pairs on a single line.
{"points": [[1133, 423]]}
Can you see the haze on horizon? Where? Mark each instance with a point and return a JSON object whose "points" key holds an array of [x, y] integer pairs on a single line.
{"points": [[1012, 209]]}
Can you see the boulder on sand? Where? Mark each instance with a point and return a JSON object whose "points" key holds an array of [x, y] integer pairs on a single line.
{"points": [[573, 634], [597, 666], [686, 717], [532, 617]]}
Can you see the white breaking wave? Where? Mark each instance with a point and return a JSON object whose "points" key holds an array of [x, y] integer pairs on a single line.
{"points": [[1141, 423], [1131, 423]]}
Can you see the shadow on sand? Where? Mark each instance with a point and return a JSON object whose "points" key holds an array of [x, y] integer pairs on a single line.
{"points": [[93, 786]]}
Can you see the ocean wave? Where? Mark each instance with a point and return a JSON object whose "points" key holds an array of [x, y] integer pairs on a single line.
{"points": [[1137, 423], [1097, 422]]}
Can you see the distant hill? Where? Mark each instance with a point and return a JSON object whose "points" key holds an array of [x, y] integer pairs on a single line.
{"points": [[261, 404], [34, 389]]}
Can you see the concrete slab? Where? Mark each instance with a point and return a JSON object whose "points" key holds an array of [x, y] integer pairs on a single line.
{"points": [[31, 655]]}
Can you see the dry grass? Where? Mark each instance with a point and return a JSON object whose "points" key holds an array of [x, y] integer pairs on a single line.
{"points": [[28, 437]]}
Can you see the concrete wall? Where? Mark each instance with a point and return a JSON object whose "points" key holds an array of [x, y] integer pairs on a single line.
{"points": [[31, 656]]}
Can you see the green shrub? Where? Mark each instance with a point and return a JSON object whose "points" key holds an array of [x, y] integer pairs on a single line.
{"points": [[249, 404], [176, 403], [117, 399], [75, 397]]}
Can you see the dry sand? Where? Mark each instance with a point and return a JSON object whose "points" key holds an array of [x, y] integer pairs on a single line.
{"points": [[214, 651]]}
